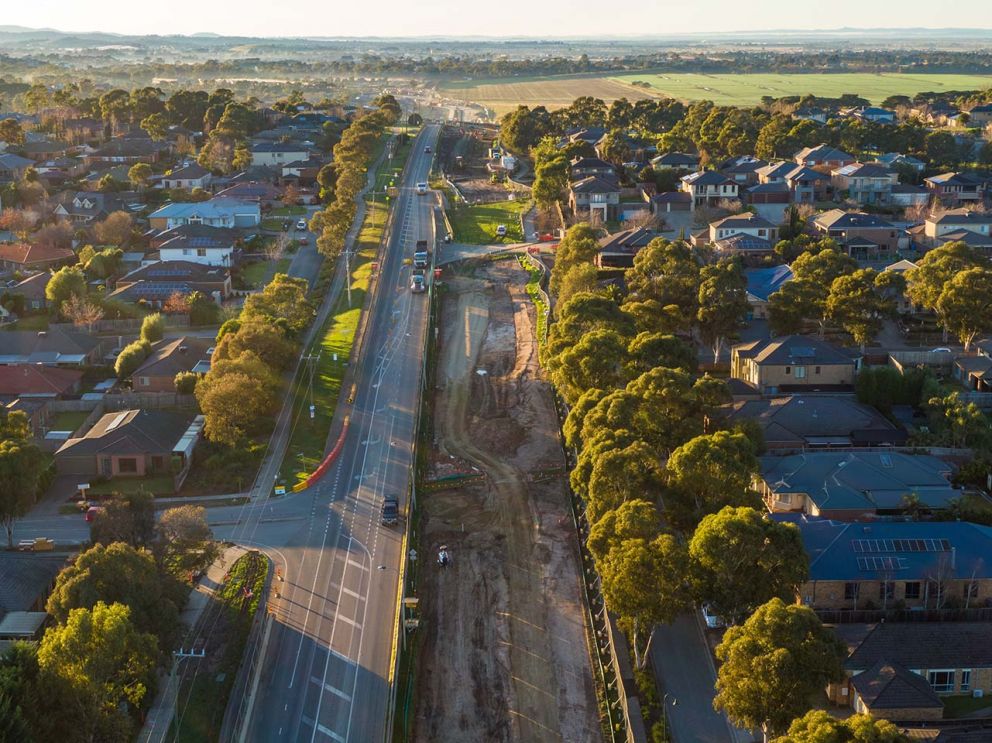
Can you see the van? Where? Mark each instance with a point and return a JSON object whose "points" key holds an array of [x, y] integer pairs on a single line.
{"points": [[421, 188]]}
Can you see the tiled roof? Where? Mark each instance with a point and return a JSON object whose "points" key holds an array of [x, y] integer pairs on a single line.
{"points": [[130, 432], [32, 379], [25, 578], [925, 645], [890, 685], [808, 419], [33, 253], [171, 356]]}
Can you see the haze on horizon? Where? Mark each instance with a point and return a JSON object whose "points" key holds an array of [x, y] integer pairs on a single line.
{"points": [[512, 18]]}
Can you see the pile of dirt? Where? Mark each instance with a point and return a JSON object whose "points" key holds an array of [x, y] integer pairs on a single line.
{"points": [[504, 655]]}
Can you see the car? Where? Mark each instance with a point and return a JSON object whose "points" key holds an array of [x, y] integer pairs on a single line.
{"points": [[942, 349], [443, 556], [301, 224], [712, 620], [285, 225], [427, 150], [390, 510], [417, 284], [421, 188], [501, 231]]}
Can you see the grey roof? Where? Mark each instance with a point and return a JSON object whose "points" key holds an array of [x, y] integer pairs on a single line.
{"points": [[866, 170], [778, 169], [821, 153], [190, 171], [279, 147], [171, 356], [865, 482], [25, 577], [130, 432], [794, 349], [961, 217], [33, 287], [671, 196], [955, 178], [969, 237], [50, 346], [10, 161], [773, 187], [889, 550], [584, 163], [837, 219], [925, 645], [890, 685], [707, 178], [815, 419], [747, 220], [595, 184], [627, 241], [676, 160]]}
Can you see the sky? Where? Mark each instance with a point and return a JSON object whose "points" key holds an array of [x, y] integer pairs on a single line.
{"points": [[464, 18]]}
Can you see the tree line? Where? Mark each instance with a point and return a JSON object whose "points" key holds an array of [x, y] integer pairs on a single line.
{"points": [[666, 485]]}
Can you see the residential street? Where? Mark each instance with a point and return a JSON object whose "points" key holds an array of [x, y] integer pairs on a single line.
{"points": [[685, 674]]}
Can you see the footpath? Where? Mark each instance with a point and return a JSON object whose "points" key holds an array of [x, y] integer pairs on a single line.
{"points": [[163, 709]]}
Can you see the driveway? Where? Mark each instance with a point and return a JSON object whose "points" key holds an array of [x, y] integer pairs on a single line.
{"points": [[685, 673]]}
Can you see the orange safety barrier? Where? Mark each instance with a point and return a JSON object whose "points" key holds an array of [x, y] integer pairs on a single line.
{"points": [[332, 455]]}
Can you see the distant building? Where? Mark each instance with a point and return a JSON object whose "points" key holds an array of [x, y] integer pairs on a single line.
{"points": [[793, 363]]}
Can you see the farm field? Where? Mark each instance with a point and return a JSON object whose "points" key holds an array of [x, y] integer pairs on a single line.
{"points": [[723, 89]]}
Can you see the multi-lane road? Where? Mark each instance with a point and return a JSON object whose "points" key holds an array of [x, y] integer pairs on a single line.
{"points": [[326, 654], [327, 658]]}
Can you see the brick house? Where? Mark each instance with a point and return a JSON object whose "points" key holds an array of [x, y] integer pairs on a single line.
{"points": [[957, 188], [894, 565], [861, 235], [866, 183], [168, 358], [823, 156], [132, 443], [708, 187], [28, 257], [854, 486], [793, 363], [595, 197]]}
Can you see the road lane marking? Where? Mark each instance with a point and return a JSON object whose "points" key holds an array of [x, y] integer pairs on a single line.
{"points": [[329, 733]]}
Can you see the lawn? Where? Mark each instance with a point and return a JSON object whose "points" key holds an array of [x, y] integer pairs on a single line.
{"points": [[31, 322], [288, 211], [161, 485], [69, 420], [255, 273], [963, 705], [725, 89], [477, 224]]}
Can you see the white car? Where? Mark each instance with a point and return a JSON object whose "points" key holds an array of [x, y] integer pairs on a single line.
{"points": [[421, 188], [302, 224], [501, 231], [711, 619], [941, 350]]}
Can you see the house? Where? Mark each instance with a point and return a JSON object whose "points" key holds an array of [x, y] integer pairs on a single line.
{"points": [[860, 234], [708, 187], [817, 115], [126, 150], [793, 363], [217, 212], [583, 167], [823, 156], [594, 196], [44, 149], [937, 114], [133, 443], [49, 348], [277, 153], [854, 486], [980, 116], [899, 670], [974, 372], [156, 282], [908, 194], [197, 243], [34, 380], [803, 184], [27, 257], [670, 201], [187, 177], [901, 267], [168, 358], [618, 250], [866, 183], [78, 131], [306, 171], [768, 193], [747, 223], [33, 290], [957, 188], [742, 170], [675, 161], [26, 581], [814, 422], [938, 229], [85, 207], [588, 134], [896, 159], [60, 169], [872, 114], [259, 192], [761, 284], [12, 167]]}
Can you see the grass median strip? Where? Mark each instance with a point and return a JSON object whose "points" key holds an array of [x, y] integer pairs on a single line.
{"points": [[333, 347], [534, 290]]}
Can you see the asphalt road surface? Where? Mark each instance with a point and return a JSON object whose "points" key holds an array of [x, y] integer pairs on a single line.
{"points": [[327, 659]]}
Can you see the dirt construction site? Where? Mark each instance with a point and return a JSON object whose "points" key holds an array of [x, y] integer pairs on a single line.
{"points": [[504, 654]]}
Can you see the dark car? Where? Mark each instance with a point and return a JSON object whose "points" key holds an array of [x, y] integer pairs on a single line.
{"points": [[390, 510], [285, 225]]}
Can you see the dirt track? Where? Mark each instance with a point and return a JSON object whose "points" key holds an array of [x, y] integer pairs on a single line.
{"points": [[505, 655]]}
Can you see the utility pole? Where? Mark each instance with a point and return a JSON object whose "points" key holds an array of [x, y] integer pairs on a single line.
{"points": [[311, 367]]}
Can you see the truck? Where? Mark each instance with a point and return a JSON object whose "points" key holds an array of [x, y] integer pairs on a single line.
{"points": [[421, 255]]}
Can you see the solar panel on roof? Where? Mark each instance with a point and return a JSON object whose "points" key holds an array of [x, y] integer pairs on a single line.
{"points": [[867, 564], [865, 546]]}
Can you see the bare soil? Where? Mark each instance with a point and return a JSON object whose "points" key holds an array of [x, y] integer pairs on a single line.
{"points": [[505, 655]]}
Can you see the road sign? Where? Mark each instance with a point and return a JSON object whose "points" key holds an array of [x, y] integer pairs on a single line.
{"points": [[313, 410], [280, 490]]}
